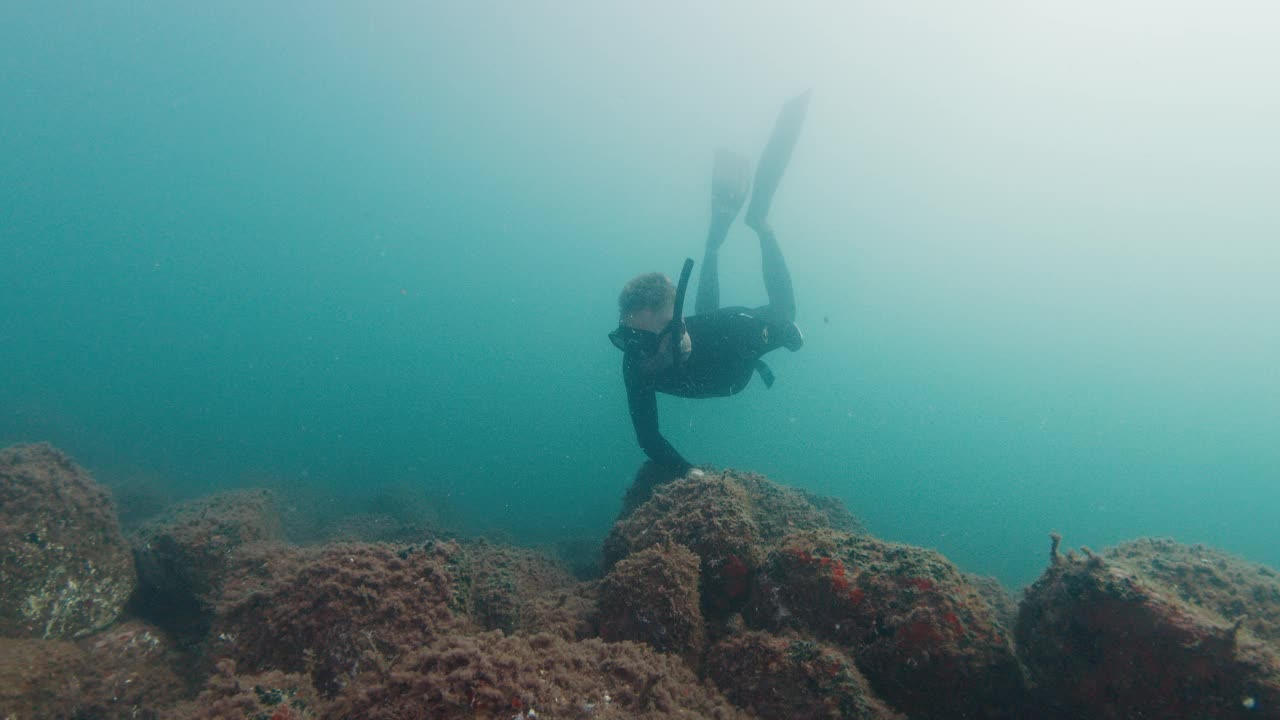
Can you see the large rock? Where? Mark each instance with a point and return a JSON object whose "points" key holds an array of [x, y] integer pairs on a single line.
{"points": [[1201, 576], [777, 509], [652, 597], [912, 624], [729, 519], [460, 677], [131, 674], [185, 555], [1153, 629], [506, 588], [569, 614], [916, 628], [65, 568], [712, 517], [122, 673], [41, 678], [789, 678], [271, 695], [338, 610]]}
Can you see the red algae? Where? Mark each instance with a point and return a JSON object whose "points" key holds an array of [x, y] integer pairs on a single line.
{"points": [[485, 676], [228, 694]]}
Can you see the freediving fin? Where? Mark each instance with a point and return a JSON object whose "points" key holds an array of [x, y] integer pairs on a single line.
{"points": [[774, 159], [730, 180]]}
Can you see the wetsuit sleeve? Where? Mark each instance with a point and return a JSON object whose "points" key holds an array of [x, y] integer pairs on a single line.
{"points": [[644, 416]]}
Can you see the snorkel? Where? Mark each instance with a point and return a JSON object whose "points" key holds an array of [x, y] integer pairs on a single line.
{"points": [[675, 328]]}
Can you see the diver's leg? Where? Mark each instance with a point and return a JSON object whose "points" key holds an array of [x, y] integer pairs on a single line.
{"points": [[709, 277], [780, 314], [777, 279]]}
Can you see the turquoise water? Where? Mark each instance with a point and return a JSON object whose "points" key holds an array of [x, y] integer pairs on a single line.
{"points": [[341, 248]]}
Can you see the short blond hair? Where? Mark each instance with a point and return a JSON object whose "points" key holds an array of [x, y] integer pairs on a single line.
{"points": [[650, 291]]}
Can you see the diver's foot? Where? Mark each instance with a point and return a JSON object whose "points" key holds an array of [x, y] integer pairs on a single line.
{"points": [[759, 224], [757, 216], [719, 231], [792, 338]]}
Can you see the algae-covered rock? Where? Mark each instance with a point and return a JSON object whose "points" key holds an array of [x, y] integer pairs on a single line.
{"points": [[131, 673], [1153, 629], [503, 584], [568, 614], [126, 672], [790, 678], [916, 628], [1201, 576], [711, 516], [338, 610], [730, 519], [41, 678], [65, 568], [912, 623], [488, 675], [184, 555], [652, 597], [1003, 603], [779, 510], [271, 695]]}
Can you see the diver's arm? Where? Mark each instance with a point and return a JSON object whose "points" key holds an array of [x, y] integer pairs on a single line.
{"points": [[644, 416]]}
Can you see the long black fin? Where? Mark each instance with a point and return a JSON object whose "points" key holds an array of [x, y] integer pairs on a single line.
{"points": [[776, 156]]}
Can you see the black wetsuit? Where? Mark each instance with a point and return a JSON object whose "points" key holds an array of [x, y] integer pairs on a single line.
{"points": [[726, 347]]}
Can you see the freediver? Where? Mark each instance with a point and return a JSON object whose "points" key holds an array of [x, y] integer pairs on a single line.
{"points": [[714, 352]]}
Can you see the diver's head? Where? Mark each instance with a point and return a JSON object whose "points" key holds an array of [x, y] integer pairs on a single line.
{"points": [[647, 302], [646, 307]]}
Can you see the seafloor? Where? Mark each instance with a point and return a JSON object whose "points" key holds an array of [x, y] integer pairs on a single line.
{"points": [[724, 596]]}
